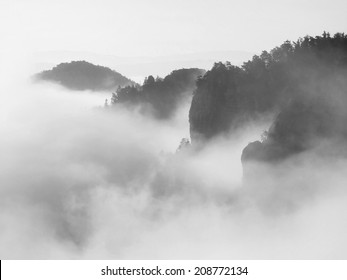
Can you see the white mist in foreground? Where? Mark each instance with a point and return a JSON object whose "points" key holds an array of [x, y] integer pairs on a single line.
{"points": [[82, 182]]}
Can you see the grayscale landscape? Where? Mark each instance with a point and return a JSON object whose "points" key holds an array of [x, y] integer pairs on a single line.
{"points": [[173, 129]]}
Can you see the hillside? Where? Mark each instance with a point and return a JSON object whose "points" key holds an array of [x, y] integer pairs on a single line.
{"points": [[228, 96], [312, 122], [160, 96], [82, 75], [315, 116]]}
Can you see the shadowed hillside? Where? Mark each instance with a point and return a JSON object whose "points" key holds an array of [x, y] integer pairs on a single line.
{"points": [[160, 96], [314, 117], [82, 75], [228, 96]]}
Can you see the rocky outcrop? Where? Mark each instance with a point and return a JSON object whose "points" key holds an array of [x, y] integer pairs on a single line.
{"points": [[305, 124], [217, 103]]}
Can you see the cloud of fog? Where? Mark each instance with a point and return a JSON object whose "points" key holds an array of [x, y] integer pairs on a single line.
{"points": [[77, 181]]}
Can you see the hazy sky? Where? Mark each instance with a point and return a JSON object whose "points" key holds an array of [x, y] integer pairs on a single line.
{"points": [[163, 27]]}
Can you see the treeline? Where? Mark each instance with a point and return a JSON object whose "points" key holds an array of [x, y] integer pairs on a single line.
{"points": [[228, 95], [160, 96]]}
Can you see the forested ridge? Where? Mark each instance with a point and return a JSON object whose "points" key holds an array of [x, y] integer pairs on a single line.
{"points": [[302, 84], [160, 96], [227, 96], [82, 75]]}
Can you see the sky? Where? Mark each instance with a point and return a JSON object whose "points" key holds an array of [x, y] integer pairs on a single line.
{"points": [[139, 38], [160, 28]]}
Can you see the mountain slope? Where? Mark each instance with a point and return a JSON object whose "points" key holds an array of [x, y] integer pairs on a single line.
{"points": [[160, 96], [82, 75], [228, 96]]}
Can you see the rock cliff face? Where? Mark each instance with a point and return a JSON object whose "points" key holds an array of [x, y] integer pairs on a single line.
{"points": [[227, 97], [205, 115]]}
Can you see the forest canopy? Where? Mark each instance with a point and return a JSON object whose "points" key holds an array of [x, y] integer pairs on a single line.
{"points": [[228, 95], [160, 96]]}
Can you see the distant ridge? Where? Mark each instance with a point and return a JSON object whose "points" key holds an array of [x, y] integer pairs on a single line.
{"points": [[82, 75]]}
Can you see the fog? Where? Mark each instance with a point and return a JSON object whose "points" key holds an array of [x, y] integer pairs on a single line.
{"points": [[78, 181]]}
